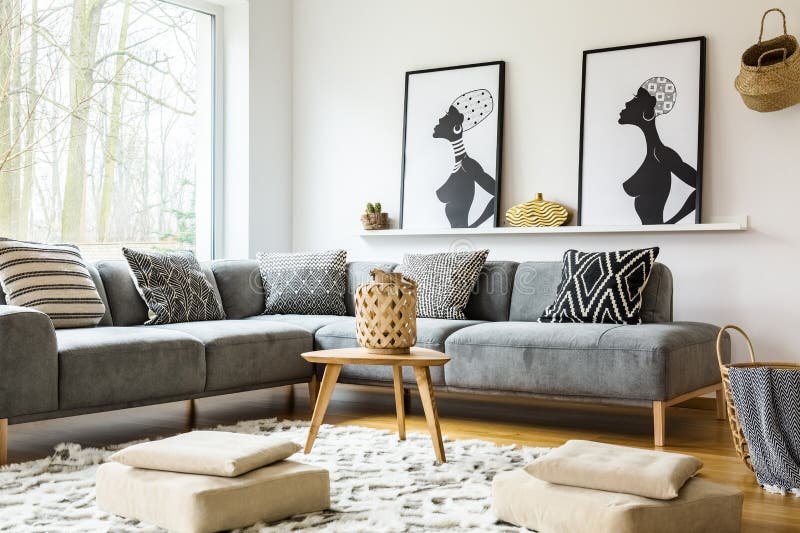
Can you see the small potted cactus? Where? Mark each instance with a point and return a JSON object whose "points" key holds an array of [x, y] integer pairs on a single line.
{"points": [[374, 217]]}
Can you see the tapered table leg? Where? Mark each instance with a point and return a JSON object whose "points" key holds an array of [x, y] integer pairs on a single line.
{"points": [[399, 401], [313, 389], [423, 375], [323, 398]]}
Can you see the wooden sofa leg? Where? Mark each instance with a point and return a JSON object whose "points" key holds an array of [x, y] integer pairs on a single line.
{"points": [[313, 390], [722, 410], [3, 441], [191, 415], [659, 422]]}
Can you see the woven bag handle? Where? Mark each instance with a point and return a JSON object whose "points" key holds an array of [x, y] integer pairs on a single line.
{"points": [[764, 18], [719, 343], [762, 56]]}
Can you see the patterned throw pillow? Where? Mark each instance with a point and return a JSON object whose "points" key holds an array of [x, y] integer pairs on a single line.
{"points": [[173, 286], [601, 287], [304, 283], [444, 281], [51, 278]]}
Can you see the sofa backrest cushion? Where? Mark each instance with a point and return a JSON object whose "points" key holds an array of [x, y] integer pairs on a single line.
{"points": [[101, 290], [358, 273], [536, 283], [491, 297], [657, 296], [127, 306], [240, 286]]}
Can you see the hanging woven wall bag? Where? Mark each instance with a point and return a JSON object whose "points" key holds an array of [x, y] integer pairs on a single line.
{"points": [[769, 78]]}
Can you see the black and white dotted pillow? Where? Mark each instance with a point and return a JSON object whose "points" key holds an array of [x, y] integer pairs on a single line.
{"points": [[601, 287], [304, 283], [444, 281]]}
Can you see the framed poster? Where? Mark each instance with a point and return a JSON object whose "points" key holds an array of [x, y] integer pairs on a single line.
{"points": [[641, 149], [452, 147]]}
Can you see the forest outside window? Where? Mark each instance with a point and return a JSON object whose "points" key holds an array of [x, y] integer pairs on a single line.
{"points": [[106, 124]]}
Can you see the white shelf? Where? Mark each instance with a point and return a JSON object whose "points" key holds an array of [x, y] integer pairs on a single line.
{"points": [[729, 224]]}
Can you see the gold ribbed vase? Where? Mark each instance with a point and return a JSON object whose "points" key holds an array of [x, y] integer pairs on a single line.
{"points": [[538, 212]]}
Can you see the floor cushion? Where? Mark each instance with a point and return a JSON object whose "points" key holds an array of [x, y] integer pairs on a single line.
{"points": [[431, 334], [213, 453], [609, 467], [112, 365], [242, 353], [192, 503], [523, 500]]}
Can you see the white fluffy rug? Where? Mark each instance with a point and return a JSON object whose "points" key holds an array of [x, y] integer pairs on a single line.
{"points": [[378, 484]]}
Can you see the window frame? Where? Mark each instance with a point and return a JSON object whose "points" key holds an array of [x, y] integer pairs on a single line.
{"points": [[217, 14]]}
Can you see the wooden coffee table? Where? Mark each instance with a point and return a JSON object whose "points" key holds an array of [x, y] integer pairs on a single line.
{"points": [[420, 359]]}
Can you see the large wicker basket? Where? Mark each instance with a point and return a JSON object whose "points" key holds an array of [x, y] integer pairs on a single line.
{"points": [[736, 428], [769, 76], [386, 314]]}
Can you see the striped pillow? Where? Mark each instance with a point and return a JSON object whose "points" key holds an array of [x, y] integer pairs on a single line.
{"points": [[51, 278]]}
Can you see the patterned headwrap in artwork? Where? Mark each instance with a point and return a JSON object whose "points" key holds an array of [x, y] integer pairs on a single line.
{"points": [[475, 106], [663, 90]]}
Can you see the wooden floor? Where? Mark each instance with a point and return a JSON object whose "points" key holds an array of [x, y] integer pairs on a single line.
{"points": [[505, 421]]}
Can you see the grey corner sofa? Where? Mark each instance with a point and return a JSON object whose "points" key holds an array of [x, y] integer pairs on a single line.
{"points": [[500, 349]]}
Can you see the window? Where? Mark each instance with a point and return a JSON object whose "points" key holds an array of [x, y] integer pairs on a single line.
{"points": [[106, 124]]}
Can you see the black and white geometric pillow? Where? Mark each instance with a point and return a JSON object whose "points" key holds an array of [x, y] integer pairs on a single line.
{"points": [[444, 281], [309, 283], [173, 286], [601, 287]]}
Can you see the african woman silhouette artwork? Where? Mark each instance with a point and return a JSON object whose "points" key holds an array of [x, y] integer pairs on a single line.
{"points": [[650, 185], [457, 193]]}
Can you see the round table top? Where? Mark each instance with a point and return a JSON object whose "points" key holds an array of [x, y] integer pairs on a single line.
{"points": [[360, 356]]}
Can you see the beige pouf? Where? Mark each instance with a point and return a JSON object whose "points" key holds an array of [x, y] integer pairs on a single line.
{"points": [[702, 506], [193, 503]]}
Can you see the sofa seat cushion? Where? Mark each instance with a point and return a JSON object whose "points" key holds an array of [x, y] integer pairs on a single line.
{"points": [[113, 366], [243, 353], [310, 323], [643, 362], [431, 334]]}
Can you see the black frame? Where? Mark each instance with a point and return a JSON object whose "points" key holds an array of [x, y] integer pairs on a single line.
{"points": [[500, 111], [700, 122]]}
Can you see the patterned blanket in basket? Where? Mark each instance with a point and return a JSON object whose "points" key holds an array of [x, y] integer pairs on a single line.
{"points": [[767, 402]]}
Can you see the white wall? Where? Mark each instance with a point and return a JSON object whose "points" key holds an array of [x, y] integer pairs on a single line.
{"points": [[270, 196], [235, 117], [350, 57], [257, 190]]}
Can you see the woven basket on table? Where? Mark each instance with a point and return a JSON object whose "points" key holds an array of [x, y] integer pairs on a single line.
{"points": [[769, 77], [386, 314], [736, 428]]}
